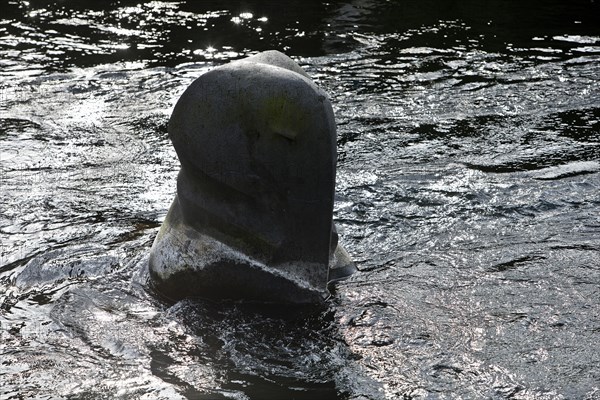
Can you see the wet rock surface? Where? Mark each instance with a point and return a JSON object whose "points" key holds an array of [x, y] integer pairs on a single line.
{"points": [[253, 215]]}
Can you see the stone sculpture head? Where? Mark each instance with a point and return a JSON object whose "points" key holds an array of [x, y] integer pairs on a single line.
{"points": [[253, 213]]}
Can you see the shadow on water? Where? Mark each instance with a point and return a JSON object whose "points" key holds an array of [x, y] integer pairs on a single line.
{"points": [[267, 351], [197, 349], [87, 33]]}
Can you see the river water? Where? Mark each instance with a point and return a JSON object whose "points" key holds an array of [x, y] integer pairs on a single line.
{"points": [[468, 192]]}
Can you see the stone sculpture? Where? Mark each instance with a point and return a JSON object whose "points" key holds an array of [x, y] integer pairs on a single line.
{"points": [[252, 218]]}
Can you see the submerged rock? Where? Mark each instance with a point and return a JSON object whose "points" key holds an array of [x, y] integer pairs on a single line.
{"points": [[252, 218]]}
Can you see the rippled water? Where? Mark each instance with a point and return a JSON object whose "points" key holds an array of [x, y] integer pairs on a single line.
{"points": [[468, 192]]}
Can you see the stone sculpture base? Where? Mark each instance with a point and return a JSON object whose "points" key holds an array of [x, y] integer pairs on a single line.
{"points": [[187, 263]]}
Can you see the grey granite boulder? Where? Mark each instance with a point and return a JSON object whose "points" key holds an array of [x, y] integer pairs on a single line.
{"points": [[252, 218]]}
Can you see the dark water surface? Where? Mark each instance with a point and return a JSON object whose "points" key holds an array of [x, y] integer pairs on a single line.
{"points": [[468, 192]]}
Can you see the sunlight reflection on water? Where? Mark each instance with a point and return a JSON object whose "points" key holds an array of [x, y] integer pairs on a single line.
{"points": [[467, 191]]}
